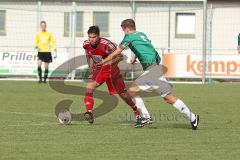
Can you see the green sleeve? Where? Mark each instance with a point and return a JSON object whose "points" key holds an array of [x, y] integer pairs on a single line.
{"points": [[125, 42], [239, 39]]}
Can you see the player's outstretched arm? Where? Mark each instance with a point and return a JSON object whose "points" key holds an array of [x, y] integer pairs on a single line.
{"points": [[117, 52], [116, 59]]}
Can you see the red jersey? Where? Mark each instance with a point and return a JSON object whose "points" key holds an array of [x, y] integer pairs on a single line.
{"points": [[107, 73], [104, 48]]}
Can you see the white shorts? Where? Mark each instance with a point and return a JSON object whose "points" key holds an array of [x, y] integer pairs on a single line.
{"points": [[153, 78]]}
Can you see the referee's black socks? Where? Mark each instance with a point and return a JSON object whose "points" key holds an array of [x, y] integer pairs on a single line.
{"points": [[40, 73], [45, 74]]}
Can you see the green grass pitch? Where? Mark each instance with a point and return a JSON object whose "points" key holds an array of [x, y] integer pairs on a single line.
{"points": [[29, 130]]}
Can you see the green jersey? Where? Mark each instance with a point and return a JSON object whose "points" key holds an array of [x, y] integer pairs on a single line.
{"points": [[141, 46]]}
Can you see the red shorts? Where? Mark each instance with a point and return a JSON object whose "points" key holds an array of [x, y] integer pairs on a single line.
{"points": [[112, 77]]}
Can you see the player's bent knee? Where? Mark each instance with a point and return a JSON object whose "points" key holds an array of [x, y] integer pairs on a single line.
{"points": [[132, 90], [132, 93], [170, 99], [90, 87]]}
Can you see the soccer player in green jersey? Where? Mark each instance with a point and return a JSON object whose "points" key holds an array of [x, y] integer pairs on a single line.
{"points": [[152, 77]]}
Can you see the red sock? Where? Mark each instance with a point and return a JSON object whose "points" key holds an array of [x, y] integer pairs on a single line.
{"points": [[89, 101]]}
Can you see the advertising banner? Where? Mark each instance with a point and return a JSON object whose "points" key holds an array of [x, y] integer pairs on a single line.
{"points": [[25, 63], [191, 66]]}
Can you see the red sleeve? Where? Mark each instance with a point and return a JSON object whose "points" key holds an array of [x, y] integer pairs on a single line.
{"points": [[110, 47]]}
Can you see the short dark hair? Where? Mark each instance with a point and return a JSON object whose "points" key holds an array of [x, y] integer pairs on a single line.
{"points": [[94, 29], [128, 23], [43, 22]]}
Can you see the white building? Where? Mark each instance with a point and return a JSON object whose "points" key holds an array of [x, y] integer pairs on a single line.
{"points": [[176, 25], [19, 21]]}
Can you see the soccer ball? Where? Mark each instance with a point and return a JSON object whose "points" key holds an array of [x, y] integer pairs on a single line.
{"points": [[64, 117]]}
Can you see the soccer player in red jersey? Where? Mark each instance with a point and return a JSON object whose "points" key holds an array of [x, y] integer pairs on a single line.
{"points": [[98, 48]]}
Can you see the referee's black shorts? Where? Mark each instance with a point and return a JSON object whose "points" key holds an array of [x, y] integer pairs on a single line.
{"points": [[45, 57]]}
